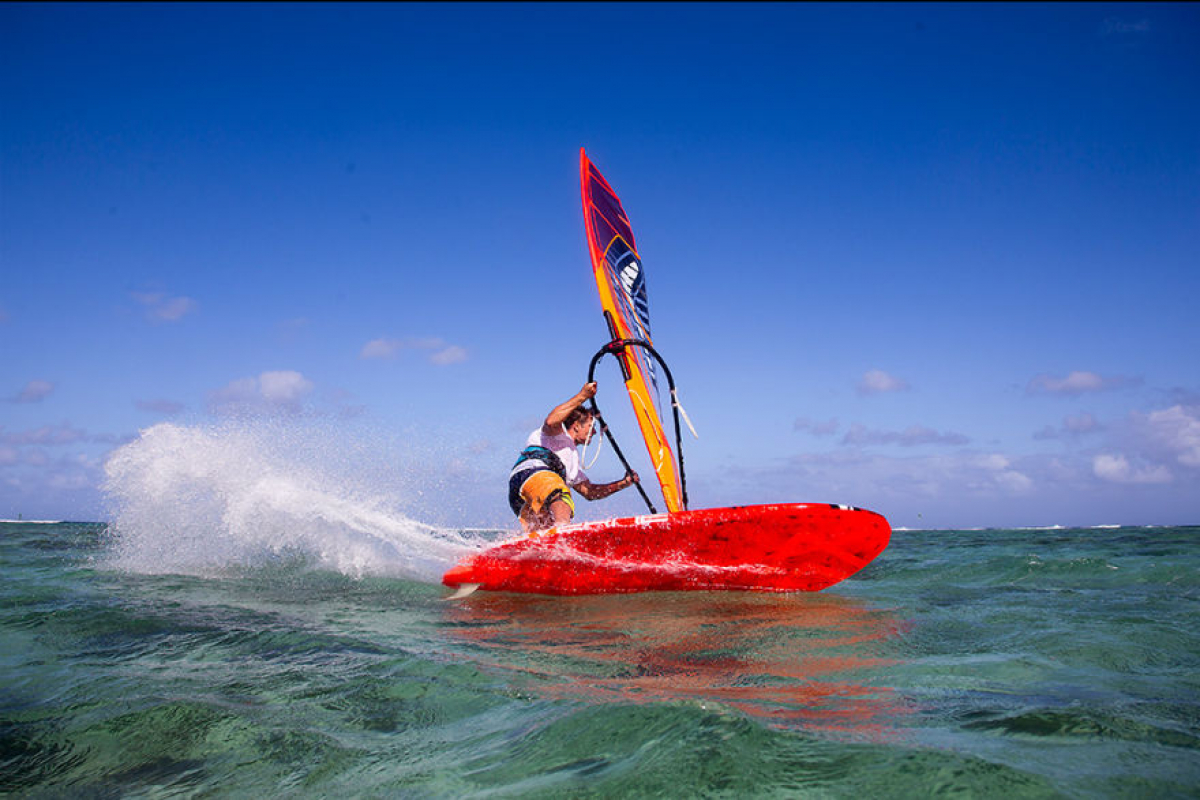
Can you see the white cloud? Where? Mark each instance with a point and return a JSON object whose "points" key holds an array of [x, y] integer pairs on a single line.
{"points": [[162, 308], [861, 478], [34, 392], [991, 472], [440, 351], [38, 484], [1076, 383], [284, 386], [451, 354], [381, 348], [1117, 469], [990, 461], [1013, 481], [876, 381], [1091, 478], [912, 436], [1158, 447], [280, 390], [1177, 430]]}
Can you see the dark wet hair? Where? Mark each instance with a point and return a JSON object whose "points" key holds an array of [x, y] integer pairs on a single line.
{"points": [[576, 415]]}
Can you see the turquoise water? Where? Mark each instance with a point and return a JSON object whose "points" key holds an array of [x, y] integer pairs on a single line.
{"points": [[995, 663]]}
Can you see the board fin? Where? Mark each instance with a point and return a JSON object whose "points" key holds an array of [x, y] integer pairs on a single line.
{"points": [[464, 590]]}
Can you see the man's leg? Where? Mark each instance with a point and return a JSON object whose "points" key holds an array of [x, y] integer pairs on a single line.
{"points": [[561, 512]]}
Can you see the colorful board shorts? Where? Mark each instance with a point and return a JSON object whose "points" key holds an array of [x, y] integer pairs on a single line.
{"points": [[544, 487], [536, 480]]}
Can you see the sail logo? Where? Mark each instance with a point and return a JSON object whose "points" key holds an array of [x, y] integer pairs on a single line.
{"points": [[625, 271], [628, 271], [629, 276]]}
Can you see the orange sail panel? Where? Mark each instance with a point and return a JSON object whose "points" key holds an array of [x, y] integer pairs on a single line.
{"points": [[622, 284]]}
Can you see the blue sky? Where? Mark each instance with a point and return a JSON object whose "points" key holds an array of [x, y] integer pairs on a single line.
{"points": [[937, 261]]}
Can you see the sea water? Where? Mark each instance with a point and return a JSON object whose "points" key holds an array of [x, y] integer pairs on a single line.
{"points": [[241, 627]]}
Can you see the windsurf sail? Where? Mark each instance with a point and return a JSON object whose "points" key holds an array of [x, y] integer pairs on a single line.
{"points": [[622, 284]]}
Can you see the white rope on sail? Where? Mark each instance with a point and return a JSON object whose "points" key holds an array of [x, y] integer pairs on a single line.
{"points": [[675, 402]]}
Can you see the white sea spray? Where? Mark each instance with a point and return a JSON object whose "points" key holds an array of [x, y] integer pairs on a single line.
{"points": [[207, 499]]}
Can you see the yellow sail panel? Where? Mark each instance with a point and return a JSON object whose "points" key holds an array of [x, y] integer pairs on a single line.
{"points": [[622, 285]]}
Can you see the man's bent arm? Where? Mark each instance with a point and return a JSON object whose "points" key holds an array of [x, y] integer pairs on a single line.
{"points": [[559, 413]]}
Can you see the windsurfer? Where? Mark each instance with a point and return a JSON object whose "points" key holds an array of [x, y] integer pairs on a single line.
{"points": [[539, 486]]}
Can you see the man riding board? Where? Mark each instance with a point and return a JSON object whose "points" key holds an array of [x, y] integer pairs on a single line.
{"points": [[539, 486]]}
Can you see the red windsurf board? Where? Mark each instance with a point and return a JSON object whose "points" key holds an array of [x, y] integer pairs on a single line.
{"points": [[775, 548]]}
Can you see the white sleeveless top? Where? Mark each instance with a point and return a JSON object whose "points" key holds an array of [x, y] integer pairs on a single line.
{"points": [[564, 447]]}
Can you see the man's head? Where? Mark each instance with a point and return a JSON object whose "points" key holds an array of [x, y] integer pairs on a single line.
{"points": [[578, 425]]}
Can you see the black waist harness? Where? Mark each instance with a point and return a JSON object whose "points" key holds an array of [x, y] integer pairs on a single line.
{"points": [[547, 456]]}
